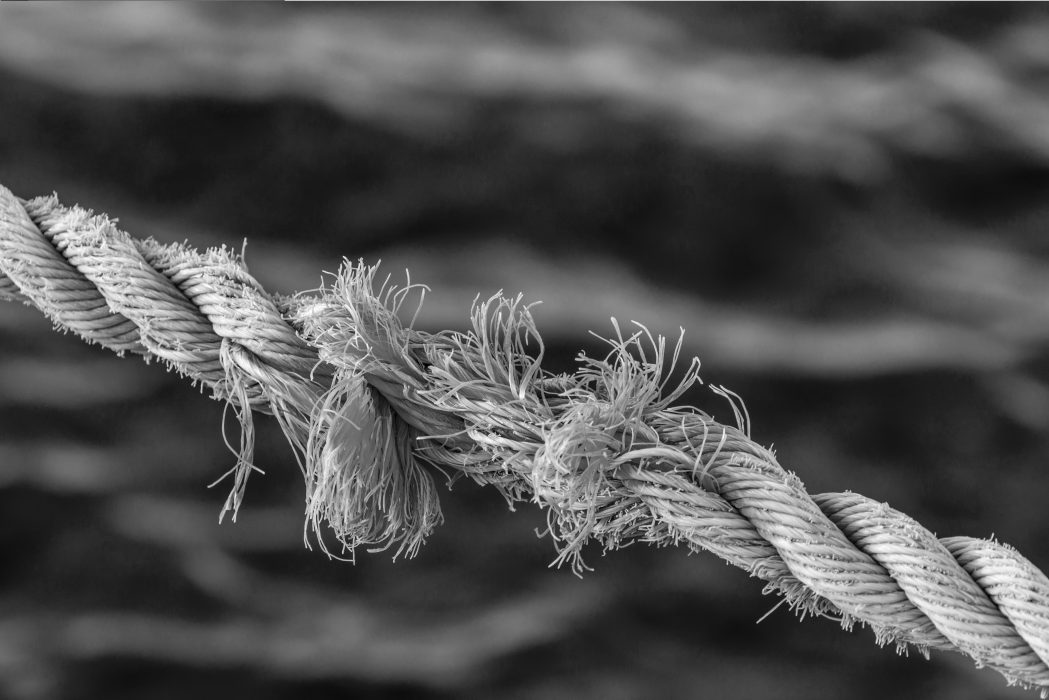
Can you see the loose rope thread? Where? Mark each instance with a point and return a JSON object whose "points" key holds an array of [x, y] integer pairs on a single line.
{"points": [[363, 400]]}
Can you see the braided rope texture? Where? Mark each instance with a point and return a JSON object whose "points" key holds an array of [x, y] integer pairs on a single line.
{"points": [[365, 400]]}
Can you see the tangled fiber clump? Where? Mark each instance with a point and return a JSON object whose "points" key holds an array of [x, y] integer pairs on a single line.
{"points": [[365, 401]]}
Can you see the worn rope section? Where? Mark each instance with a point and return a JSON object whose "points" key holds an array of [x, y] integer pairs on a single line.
{"points": [[364, 400]]}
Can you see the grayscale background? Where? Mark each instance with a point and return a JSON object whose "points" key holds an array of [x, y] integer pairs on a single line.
{"points": [[845, 206]]}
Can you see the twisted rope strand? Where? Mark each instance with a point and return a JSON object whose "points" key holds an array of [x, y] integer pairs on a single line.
{"points": [[1015, 585], [43, 277], [362, 399], [170, 326], [936, 584]]}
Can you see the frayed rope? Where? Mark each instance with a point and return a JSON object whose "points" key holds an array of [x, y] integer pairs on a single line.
{"points": [[365, 401]]}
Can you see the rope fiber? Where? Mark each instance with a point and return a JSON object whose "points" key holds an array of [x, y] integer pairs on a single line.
{"points": [[365, 401]]}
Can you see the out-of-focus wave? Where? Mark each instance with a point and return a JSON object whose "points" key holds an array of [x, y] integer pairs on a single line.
{"points": [[930, 96]]}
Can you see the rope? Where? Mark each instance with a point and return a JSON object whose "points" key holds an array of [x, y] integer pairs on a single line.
{"points": [[364, 400]]}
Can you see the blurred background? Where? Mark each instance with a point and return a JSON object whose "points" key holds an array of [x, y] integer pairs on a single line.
{"points": [[846, 206]]}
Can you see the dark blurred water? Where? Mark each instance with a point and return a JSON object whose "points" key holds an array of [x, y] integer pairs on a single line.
{"points": [[844, 205]]}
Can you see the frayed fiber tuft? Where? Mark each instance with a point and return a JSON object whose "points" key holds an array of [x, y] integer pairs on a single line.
{"points": [[362, 479]]}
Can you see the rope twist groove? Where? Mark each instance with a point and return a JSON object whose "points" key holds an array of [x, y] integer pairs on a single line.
{"points": [[363, 400]]}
